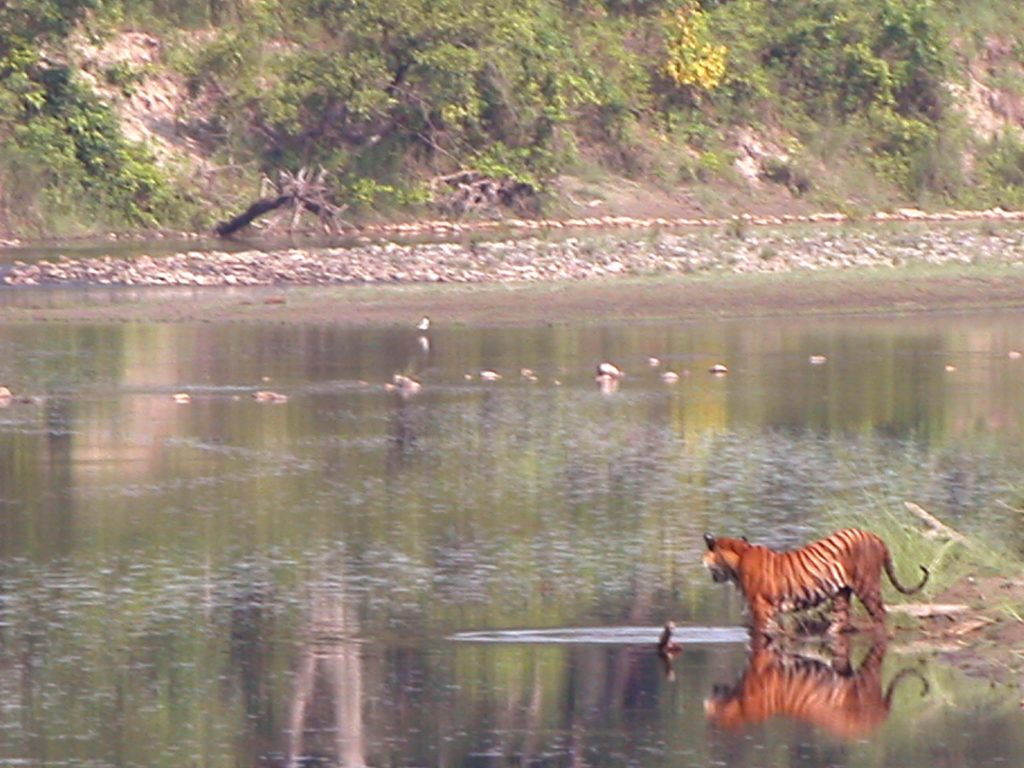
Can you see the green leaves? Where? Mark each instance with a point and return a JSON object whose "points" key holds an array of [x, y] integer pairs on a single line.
{"points": [[386, 94], [55, 130], [438, 82]]}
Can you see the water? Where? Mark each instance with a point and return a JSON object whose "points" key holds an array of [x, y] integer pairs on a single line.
{"points": [[231, 582]]}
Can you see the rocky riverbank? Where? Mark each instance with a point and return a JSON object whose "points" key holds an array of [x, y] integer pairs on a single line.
{"points": [[591, 255]]}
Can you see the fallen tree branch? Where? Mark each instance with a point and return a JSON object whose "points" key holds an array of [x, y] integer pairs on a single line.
{"points": [[927, 610], [1004, 505], [938, 528], [303, 191], [972, 625], [250, 214], [469, 191]]}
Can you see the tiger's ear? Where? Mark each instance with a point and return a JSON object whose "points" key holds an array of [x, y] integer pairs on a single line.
{"points": [[710, 541]]}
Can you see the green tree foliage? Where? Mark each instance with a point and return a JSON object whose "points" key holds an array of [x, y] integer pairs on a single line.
{"points": [[881, 65], [63, 153], [28, 23], [373, 84], [386, 94]]}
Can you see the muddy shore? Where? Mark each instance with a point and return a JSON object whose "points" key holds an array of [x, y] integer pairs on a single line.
{"points": [[593, 276]]}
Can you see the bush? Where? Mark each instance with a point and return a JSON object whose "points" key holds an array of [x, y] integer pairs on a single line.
{"points": [[57, 132]]}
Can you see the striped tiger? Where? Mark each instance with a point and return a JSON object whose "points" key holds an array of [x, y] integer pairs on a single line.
{"points": [[848, 704], [848, 562]]}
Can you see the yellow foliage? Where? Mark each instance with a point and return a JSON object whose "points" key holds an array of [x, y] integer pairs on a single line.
{"points": [[693, 57]]}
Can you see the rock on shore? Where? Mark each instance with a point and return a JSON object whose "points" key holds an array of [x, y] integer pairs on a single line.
{"points": [[592, 255]]}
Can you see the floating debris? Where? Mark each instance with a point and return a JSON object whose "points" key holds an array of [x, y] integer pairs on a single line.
{"points": [[490, 376], [6, 397], [817, 359], [950, 368], [654, 362], [404, 385], [266, 396], [1013, 354], [666, 645], [528, 374], [670, 377], [181, 398], [718, 369]]}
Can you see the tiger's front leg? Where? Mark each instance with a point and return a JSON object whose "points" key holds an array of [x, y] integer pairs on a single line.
{"points": [[762, 614], [841, 610]]}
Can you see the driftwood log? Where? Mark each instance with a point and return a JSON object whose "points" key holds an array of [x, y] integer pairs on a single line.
{"points": [[296, 192], [471, 192]]}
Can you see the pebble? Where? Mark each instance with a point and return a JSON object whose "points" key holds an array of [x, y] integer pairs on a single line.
{"points": [[599, 254]]}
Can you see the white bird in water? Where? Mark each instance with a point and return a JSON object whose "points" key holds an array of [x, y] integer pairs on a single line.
{"points": [[404, 385], [670, 377], [718, 369], [607, 378], [423, 324], [489, 376], [266, 396]]}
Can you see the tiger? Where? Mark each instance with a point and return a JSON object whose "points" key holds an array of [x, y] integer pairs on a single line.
{"points": [[849, 704], [847, 562]]}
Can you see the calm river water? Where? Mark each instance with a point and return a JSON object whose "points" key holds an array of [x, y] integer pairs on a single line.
{"points": [[228, 582]]}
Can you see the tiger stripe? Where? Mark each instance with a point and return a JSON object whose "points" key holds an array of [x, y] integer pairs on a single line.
{"points": [[848, 562]]}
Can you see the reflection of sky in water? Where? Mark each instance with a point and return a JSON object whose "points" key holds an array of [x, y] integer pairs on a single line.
{"points": [[230, 582]]}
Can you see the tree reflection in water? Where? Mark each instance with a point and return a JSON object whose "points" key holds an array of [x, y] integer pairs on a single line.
{"points": [[848, 704], [330, 665]]}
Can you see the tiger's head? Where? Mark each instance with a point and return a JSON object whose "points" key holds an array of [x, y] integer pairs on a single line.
{"points": [[723, 557]]}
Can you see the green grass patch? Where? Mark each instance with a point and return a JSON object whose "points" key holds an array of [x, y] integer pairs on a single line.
{"points": [[912, 543]]}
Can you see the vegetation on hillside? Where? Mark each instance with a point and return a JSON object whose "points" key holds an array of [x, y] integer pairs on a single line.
{"points": [[858, 103]]}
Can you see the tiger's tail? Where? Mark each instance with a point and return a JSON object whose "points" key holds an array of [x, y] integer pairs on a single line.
{"points": [[891, 573]]}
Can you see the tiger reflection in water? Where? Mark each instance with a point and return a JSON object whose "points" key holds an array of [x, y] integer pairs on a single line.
{"points": [[847, 703]]}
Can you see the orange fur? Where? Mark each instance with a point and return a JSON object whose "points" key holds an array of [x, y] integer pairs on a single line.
{"points": [[848, 562], [847, 704]]}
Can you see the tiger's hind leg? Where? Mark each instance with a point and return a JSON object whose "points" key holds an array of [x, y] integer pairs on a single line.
{"points": [[871, 596], [841, 610]]}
